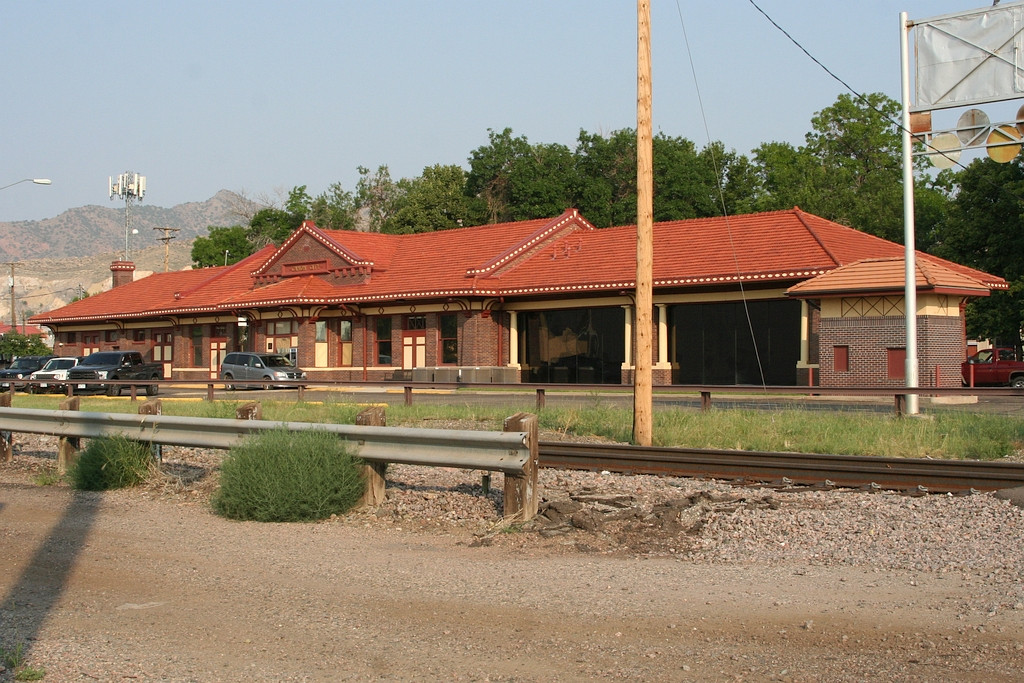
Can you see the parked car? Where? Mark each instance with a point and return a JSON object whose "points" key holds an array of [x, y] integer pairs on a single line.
{"points": [[261, 367], [114, 365], [53, 376], [993, 367], [21, 368]]}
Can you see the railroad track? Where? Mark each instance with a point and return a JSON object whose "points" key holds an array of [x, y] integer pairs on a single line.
{"points": [[841, 471]]}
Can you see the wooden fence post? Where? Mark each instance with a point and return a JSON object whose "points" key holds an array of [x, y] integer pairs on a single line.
{"points": [[541, 399], [705, 400], [6, 448], [408, 396], [154, 407], [376, 481], [68, 446], [521, 490]]}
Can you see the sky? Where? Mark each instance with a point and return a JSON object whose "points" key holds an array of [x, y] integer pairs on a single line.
{"points": [[259, 97]]}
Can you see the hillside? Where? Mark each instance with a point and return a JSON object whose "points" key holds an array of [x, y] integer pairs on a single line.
{"points": [[91, 230], [44, 284], [57, 258]]}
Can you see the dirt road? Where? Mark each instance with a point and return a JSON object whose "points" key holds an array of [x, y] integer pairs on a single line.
{"points": [[129, 586]]}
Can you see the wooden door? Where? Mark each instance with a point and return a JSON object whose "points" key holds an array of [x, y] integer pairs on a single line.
{"points": [[414, 349], [218, 349]]}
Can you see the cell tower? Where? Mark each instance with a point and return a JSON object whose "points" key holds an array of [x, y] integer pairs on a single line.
{"points": [[130, 187]]}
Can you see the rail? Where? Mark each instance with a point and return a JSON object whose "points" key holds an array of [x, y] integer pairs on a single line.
{"points": [[703, 391], [513, 453], [848, 471]]}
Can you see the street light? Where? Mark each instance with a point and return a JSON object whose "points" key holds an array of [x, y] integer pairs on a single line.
{"points": [[37, 181]]}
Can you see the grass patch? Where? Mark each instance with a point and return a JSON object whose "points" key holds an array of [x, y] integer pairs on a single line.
{"points": [[950, 434], [280, 476], [111, 463], [48, 477], [13, 659]]}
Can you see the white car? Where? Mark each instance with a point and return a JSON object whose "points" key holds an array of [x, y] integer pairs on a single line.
{"points": [[53, 376]]}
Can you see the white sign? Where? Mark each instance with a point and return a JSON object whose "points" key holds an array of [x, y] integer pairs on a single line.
{"points": [[969, 57]]}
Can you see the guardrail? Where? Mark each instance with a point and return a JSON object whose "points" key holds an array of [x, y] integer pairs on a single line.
{"points": [[512, 452]]}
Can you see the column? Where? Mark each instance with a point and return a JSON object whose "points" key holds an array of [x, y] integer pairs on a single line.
{"points": [[662, 362], [513, 339]]}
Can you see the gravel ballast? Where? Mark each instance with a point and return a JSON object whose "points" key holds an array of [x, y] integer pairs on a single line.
{"points": [[620, 577]]}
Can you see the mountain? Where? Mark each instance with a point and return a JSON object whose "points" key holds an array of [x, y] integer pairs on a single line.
{"points": [[92, 230], [45, 284], [57, 259]]}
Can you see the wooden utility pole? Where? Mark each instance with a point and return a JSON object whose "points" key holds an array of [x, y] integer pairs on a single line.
{"points": [[166, 239], [643, 390], [14, 313]]}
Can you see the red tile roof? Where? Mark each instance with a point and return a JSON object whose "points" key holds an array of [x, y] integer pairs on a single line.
{"points": [[887, 276], [26, 330], [530, 258]]}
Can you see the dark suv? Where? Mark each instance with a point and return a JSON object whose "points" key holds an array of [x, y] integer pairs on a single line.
{"points": [[21, 368], [259, 367]]}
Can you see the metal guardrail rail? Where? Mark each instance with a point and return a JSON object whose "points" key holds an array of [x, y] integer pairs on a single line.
{"points": [[506, 452], [802, 468]]}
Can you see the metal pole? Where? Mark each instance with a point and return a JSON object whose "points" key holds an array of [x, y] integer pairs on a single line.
{"points": [[910, 264]]}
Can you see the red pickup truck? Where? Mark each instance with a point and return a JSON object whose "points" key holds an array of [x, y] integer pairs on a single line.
{"points": [[993, 367]]}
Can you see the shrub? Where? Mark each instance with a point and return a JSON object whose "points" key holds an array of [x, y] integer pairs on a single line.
{"points": [[113, 462], [283, 476]]}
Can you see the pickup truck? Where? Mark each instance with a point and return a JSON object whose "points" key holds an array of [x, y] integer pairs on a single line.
{"points": [[111, 365], [993, 367]]}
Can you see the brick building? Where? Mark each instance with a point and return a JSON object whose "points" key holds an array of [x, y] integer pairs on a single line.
{"points": [[739, 300]]}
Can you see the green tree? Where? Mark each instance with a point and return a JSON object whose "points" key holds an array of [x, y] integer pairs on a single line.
{"points": [[685, 183], [606, 169], [491, 170], [985, 230], [860, 149], [541, 183], [376, 196], [272, 225], [434, 201], [785, 177], [221, 247], [16, 344], [334, 209]]}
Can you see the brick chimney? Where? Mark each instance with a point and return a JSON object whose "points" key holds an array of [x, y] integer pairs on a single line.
{"points": [[121, 273]]}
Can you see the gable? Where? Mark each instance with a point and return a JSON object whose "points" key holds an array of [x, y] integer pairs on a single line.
{"points": [[309, 251], [569, 222]]}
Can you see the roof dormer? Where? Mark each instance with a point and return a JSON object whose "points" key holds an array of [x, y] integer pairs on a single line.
{"points": [[310, 251]]}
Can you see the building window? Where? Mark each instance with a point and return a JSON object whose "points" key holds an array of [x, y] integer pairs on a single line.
{"points": [[281, 336], [416, 322], [896, 360], [321, 330], [345, 341], [449, 330], [90, 343], [162, 347], [841, 358], [139, 335], [70, 337], [110, 336], [197, 346], [219, 331], [383, 340]]}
